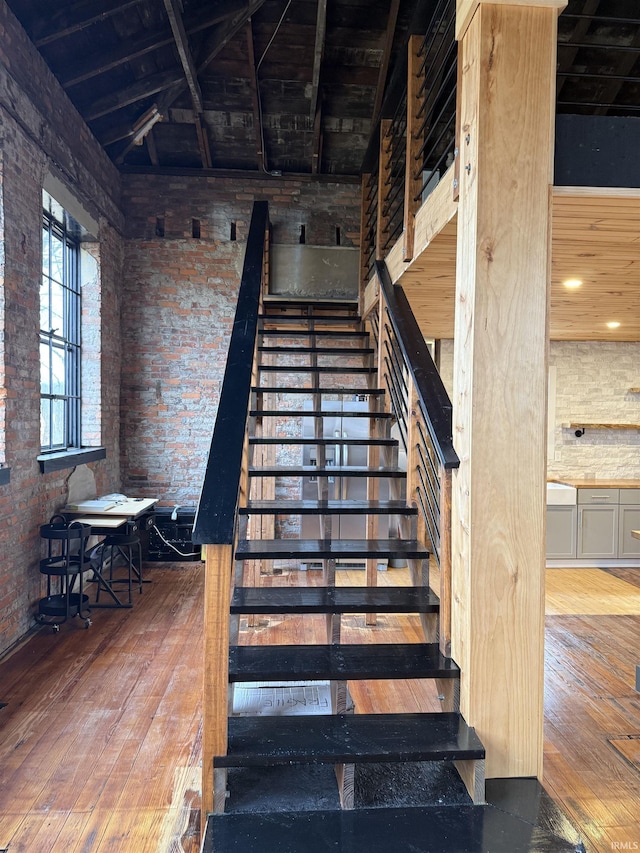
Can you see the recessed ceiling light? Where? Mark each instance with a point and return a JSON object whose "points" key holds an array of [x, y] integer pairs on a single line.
{"points": [[572, 283], [613, 324]]}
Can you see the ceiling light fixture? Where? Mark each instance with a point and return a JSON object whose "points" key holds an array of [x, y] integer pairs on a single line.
{"points": [[572, 283], [613, 324]]}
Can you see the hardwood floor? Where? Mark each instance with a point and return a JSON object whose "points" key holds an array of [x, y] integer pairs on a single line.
{"points": [[100, 735]]}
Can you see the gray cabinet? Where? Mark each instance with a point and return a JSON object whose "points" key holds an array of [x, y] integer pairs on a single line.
{"points": [[629, 520], [561, 532], [598, 523], [598, 528]]}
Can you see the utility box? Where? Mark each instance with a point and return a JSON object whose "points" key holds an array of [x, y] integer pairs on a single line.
{"points": [[170, 537]]}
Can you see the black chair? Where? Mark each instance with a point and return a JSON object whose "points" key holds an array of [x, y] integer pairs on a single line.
{"points": [[64, 566], [114, 549]]}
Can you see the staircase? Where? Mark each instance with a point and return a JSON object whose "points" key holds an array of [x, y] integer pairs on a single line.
{"points": [[314, 362], [342, 474]]}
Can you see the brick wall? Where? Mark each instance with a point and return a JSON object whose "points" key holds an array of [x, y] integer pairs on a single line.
{"points": [[41, 134], [179, 295]]}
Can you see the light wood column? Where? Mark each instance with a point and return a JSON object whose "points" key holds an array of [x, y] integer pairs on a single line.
{"points": [[217, 597], [500, 375]]}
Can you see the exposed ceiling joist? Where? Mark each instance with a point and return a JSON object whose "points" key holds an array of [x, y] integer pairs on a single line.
{"points": [[255, 101], [77, 17], [152, 148], [137, 91], [225, 32], [582, 25], [174, 14], [184, 52], [321, 28], [105, 61]]}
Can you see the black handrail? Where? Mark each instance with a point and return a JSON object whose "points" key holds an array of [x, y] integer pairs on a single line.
{"points": [[216, 514], [432, 394]]}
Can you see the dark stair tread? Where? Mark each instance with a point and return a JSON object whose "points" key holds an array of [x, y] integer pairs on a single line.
{"points": [[316, 413], [309, 368], [344, 599], [352, 442], [310, 318], [331, 507], [283, 549], [273, 300], [461, 828], [316, 389], [339, 662], [346, 738], [322, 333], [319, 350], [329, 471]]}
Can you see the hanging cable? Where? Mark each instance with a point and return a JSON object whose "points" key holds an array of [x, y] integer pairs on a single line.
{"points": [[264, 53]]}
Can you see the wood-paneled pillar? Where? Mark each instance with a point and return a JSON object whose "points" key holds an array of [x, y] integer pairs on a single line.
{"points": [[506, 103]]}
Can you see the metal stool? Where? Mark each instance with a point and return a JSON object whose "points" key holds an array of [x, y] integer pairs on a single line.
{"points": [[66, 560], [114, 546]]}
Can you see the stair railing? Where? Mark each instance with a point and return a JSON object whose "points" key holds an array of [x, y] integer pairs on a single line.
{"points": [[226, 479], [418, 399]]}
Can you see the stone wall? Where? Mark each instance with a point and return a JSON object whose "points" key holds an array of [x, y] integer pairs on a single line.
{"points": [[592, 384]]}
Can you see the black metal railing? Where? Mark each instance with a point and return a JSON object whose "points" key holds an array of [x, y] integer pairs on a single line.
{"points": [[216, 514], [395, 144], [428, 439], [369, 224], [437, 114]]}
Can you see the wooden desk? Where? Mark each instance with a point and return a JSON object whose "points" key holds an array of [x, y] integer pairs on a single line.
{"points": [[101, 526], [127, 510]]}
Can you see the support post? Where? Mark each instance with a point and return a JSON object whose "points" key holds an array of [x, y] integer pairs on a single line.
{"points": [[508, 58], [217, 597]]}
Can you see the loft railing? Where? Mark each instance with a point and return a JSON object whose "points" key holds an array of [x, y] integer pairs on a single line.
{"points": [[423, 412], [216, 515], [226, 479], [416, 139]]}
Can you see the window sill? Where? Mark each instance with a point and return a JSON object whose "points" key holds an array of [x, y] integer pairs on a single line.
{"points": [[5, 475], [70, 458]]}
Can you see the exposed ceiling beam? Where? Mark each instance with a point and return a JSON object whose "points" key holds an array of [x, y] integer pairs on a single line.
{"points": [[174, 14], [318, 51], [225, 32], [579, 32], [152, 149], [77, 17], [130, 49], [184, 52], [386, 56], [316, 157], [611, 87], [255, 101], [137, 91]]}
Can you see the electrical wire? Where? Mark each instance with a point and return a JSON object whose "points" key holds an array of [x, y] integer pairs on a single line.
{"points": [[259, 98], [173, 547]]}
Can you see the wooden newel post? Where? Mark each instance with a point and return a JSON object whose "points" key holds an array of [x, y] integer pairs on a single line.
{"points": [[217, 596], [507, 108]]}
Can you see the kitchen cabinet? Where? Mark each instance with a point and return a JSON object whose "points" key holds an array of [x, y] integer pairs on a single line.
{"points": [[561, 532], [629, 519], [598, 527], [598, 523]]}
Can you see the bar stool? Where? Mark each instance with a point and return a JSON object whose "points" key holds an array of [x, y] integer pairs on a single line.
{"points": [[126, 546], [67, 561]]}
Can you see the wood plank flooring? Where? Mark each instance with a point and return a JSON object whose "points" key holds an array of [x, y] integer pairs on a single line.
{"points": [[100, 739]]}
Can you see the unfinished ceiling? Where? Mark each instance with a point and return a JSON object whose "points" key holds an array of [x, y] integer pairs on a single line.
{"points": [[291, 86]]}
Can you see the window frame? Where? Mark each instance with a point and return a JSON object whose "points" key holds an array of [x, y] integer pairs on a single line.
{"points": [[64, 344]]}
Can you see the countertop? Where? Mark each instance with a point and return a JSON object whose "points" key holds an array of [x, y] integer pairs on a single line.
{"points": [[600, 484]]}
